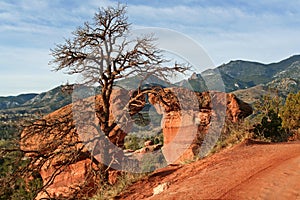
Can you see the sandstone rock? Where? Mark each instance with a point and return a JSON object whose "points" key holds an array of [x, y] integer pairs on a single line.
{"points": [[71, 178], [188, 117], [179, 132], [68, 151], [237, 109], [160, 188], [148, 143], [59, 136]]}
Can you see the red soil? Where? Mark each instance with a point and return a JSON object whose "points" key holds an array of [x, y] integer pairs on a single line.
{"points": [[247, 171]]}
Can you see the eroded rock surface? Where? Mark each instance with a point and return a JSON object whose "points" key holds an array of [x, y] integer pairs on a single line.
{"points": [[63, 138], [189, 116], [63, 146]]}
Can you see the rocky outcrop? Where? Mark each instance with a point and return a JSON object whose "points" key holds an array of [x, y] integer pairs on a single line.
{"points": [[64, 154], [237, 109], [72, 180], [189, 116], [56, 150], [63, 147]]}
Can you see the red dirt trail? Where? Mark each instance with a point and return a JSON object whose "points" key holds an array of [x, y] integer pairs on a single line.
{"points": [[246, 171]]}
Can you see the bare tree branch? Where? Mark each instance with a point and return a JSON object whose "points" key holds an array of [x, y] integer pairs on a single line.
{"points": [[102, 53]]}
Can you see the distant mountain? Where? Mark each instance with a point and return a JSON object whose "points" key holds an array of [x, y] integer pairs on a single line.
{"points": [[132, 83], [245, 74], [249, 80], [282, 78], [292, 70], [29, 103], [51, 100], [56, 98], [230, 83], [15, 101], [253, 94], [195, 82], [288, 80], [257, 73]]}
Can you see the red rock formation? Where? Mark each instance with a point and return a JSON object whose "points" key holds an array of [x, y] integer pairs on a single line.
{"points": [[59, 139], [187, 118], [236, 108], [64, 155], [73, 178]]}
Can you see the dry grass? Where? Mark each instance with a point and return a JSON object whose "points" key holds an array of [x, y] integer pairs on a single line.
{"points": [[233, 133], [107, 191]]}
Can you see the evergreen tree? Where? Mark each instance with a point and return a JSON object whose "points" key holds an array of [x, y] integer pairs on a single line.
{"points": [[271, 128], [291, 112]]}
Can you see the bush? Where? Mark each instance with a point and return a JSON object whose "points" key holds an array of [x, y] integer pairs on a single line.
{"points": [[290, 112], [12, 180], [233, 133], [107, 191], [151, 162], [133, 142], [270, 128]]}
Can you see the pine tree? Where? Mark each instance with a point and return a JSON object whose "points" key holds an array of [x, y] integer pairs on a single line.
{"points": [[291, 112]]}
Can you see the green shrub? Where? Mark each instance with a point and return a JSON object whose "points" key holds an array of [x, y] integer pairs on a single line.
{"points": [[153, 161], [133, 142], [270, 128], [291, 112], [12, 181], [107, 191], [233, 133]]}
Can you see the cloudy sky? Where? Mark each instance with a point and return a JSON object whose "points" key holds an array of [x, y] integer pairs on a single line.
{"points": [[264, 31]]}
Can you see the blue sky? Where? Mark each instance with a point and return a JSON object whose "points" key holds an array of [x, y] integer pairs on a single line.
{"points": [[264, 31]]}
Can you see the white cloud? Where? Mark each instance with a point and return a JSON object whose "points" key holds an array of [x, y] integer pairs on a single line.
{"points": [[27, 32], [226, 18], [27, 70], [23, 59], [254, 30], [257, 32], [267, 46], [31, 83]]}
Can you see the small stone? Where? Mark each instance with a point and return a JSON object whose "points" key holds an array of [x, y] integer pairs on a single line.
{"points": [[160, 188]]}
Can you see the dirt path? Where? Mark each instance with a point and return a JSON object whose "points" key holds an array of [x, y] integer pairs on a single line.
{"points": [[244, 172]]}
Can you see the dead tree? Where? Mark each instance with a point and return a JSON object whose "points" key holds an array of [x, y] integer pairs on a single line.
{"points": [[102, 52]]}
